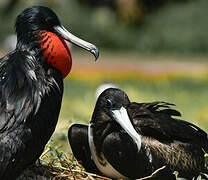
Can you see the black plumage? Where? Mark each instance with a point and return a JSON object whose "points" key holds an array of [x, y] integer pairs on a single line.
{"points": [[30, 104], [31, 91], [136, 139], [78, 135]]}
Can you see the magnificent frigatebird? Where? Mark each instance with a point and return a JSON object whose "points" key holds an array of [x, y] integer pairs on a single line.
{"points": [[31, 87], [133, 140]]}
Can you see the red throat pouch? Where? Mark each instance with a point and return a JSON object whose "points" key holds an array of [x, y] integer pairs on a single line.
{"points": [[56, 52]]}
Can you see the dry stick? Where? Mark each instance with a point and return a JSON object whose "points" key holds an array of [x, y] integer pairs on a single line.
{"points": [[79, 171], [69, 170], [45, 152], [153, 174], [91, 174]]}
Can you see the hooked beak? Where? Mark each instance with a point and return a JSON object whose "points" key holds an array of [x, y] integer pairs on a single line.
{"points": [[77, 41], [121, 116]]}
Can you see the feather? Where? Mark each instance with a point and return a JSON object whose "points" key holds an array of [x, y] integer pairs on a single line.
{"points": [[150, 120], [18, 91]]}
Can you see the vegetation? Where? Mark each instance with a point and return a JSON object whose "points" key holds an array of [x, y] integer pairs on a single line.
{"points": [[177, 27], [188, 93]]}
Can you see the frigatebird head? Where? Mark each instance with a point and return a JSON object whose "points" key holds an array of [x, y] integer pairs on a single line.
{"points": [[112, 107], [40, 24]]}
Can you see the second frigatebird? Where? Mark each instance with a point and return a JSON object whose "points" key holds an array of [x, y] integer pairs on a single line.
{"points": [[31, 87], [132, 140]]}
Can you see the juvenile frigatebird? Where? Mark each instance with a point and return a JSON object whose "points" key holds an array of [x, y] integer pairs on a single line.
{"points": [[31, 87], [132, 140]]}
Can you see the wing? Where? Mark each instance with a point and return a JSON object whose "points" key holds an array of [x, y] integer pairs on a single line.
{"points": [[155, 120], [20, 92], [124, 160], [121, 152]]}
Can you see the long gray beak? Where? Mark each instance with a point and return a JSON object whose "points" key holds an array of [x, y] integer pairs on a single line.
{"points": [[77, 41], [121, 116]]}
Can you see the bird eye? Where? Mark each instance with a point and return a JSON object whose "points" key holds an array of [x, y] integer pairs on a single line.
{"points": [[109, 103], [49, 20]]}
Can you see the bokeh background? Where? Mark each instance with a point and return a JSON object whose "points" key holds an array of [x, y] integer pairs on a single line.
{"points": [[155, 50]]}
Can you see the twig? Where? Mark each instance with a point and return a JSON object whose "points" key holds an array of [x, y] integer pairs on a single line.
{"points": [[153, 174]]}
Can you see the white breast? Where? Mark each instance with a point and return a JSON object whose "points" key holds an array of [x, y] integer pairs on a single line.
{"points": [[107, 170]]}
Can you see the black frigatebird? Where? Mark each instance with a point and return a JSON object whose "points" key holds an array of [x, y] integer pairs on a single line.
{"points": [[31, 87], [133, 140]]}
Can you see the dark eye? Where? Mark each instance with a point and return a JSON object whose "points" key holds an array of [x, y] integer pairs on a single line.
{"points": [[49, 20], [109, 103]]}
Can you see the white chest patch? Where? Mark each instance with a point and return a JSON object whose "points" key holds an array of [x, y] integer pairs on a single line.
{"points": [[107, 170]]}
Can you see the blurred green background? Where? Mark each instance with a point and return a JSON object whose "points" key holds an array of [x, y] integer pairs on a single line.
{"points": [[155, 50]]}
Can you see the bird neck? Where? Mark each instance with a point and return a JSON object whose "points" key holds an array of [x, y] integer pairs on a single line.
{"points": [[100, 130], [30, 44], [48, 48], [99, 159], [95, 143], [56, 52]]}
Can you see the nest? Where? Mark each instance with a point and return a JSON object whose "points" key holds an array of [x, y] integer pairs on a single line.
{"points": [[55, 164]]}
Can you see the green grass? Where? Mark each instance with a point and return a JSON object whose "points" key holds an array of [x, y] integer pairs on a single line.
{"points": [[188, 93]]}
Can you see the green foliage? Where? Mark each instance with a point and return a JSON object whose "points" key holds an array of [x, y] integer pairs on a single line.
{"points": [[175, 28], [188, 93], [178, 27]]}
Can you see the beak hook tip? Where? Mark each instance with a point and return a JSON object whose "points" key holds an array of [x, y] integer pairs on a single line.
{"points": [[95, 52]]}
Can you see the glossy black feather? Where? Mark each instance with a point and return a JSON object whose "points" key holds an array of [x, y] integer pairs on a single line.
{"points": [[161, 125], [120, 150], [31, 21], [78, 139], [30, 95], [20, 91], [30, 102]]}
